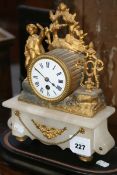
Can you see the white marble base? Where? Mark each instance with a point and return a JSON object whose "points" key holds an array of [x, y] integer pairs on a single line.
{"points": [[96, 131]]}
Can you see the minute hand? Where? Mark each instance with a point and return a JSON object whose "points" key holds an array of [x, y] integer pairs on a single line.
{"points": [[39, 72], [52, 84]]}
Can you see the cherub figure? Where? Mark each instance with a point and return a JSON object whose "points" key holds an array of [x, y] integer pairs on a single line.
{"points": [[33, 47]]}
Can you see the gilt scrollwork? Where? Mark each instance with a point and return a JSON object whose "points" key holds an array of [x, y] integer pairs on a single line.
{"points": [[92, 67], [49, 132]]}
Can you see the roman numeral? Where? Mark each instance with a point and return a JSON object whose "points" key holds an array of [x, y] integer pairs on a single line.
{"points": [[41, 65], [54, 67], [59, 73], [41, 90], [37, 83], [54, 92], [36, 77], [59, 88], [60, 81], [48, 93], [47, 64]]}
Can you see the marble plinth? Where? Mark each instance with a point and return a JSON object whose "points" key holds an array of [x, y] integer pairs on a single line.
{"points": [[60, 128]]}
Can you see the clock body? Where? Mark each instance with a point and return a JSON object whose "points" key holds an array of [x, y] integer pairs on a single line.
{"points": [[53, 76]]}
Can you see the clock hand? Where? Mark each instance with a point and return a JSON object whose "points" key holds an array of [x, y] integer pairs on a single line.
{"points": [[39, 72], [52, 83], [46, 78]]}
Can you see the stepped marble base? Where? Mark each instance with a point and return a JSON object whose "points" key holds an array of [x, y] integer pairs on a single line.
{"points": [[84, 136]]}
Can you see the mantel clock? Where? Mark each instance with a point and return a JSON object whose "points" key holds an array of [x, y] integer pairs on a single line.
{"points": [[61, 102]]}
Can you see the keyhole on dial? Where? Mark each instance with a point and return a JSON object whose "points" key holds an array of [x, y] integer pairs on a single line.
{"points": [[47, 87]]}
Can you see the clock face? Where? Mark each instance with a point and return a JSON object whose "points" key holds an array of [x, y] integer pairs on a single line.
{"points": [[48, 79]]}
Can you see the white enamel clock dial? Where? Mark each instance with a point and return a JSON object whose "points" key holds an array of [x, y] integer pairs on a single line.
{"points": [[48, 79]]}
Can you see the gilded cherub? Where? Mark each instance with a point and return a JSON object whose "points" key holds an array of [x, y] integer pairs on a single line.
{"points": [[33, 47]]}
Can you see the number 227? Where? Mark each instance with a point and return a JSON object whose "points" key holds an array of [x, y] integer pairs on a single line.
{"points": [[79, 146]]}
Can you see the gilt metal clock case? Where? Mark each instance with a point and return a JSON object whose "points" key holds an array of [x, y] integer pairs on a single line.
{"points": [[53, 75]]}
